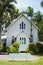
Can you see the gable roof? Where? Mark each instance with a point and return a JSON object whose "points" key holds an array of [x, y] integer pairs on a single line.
{"points": [[22, 32], [15, 20]]}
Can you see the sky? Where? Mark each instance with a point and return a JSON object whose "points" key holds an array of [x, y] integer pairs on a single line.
{"points": [[23, 4]]}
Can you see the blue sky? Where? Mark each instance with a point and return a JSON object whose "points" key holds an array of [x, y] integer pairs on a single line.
{"points": [[23, 4]]}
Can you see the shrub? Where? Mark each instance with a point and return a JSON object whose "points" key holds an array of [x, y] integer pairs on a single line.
{"points": [[27, 51], [14, 48], [10, 49], [1, 47], [33, 48], [16, 44], [40, 47], [32, 52]]}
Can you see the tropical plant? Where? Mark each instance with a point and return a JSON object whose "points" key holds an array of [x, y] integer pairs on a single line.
{"points": [[16, 13], [5, 6], [30, 11], [38, 17], [1, 47], [40, 47], [33, 48], [16, 44], [13, 48], [42, 3]]}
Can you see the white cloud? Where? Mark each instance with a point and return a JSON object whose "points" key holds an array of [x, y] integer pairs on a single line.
{"points": [[23, 4]]}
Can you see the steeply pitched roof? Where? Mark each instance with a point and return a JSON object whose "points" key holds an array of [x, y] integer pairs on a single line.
{"points": [[15, 20], [22, 32]]}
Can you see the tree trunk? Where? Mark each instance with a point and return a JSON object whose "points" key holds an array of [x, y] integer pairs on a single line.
{"points": [[31, 28], [31, 25]]}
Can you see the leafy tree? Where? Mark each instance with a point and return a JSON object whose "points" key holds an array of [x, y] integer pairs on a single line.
{"points": [[38, 17], [42, 3], [5, 6], [16, 13]]}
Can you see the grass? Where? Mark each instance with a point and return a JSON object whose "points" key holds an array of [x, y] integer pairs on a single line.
{"points": [[39, 62]]}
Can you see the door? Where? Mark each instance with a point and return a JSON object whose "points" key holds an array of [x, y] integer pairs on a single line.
{"points": [[23, 44], [23, 39]]}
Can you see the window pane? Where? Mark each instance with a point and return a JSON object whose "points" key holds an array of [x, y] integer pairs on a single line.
{"points": [[20, 40], [22, 25], [31, 39], [24, 40]]}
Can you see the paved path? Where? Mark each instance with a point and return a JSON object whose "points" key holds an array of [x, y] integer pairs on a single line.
{"points": [[6, 57]]}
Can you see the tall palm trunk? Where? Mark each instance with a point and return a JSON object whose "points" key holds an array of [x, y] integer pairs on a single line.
{"points": [[31, 26]]}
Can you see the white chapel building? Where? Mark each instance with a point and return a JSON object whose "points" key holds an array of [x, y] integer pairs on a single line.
{"points": [[20, 31]]}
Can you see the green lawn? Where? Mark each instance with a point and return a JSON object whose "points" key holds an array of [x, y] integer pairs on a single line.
{"points": [[39, 62]]}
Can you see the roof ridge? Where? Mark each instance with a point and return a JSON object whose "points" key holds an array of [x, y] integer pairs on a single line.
{"points": [[18, 18]]}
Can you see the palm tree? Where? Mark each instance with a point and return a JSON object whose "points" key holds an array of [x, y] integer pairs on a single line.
{"points": [[38, 17], [42, 3], [16, 14], [30, 14], [5, 5]]}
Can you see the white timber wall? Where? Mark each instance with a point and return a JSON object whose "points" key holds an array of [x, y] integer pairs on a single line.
{"points": [[14, 30]]}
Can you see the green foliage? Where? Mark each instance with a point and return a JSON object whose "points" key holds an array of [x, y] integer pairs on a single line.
{"points": [[1, 47], [41, 3], [16, 44], [27, 50], [41, 32], [32, 52], [40, 47], [38, 17], [14, 48], [39, 61], [10, 49], [33, 48], [30, 11]]}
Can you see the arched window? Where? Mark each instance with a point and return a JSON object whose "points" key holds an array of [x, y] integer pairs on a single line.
{"points": [[22, 25], [12, 39], [22, 40]]}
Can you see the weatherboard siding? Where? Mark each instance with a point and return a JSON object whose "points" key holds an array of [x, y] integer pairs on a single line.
{"points": [[14, 30]]}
